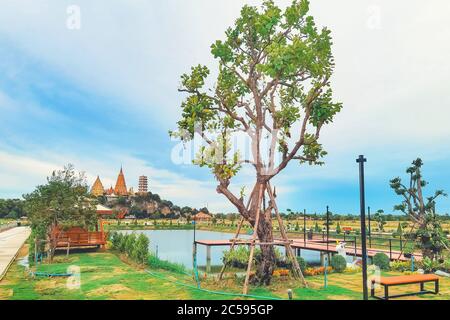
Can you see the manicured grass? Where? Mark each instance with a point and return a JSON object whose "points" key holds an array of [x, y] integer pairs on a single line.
{"points": [[105, 276]]}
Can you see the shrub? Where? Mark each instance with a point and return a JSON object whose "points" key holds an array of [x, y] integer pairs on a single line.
{"points": [[281, 273], [446, 265], [400, 266], [317, 271], [338, 228], [381, 260], [130, 243], [338, 263], [429, 265], [122, 243], [140, 250], [116, 239], [302, 263]]}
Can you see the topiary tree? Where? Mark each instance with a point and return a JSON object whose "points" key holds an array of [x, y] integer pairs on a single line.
{"points": [[317, 228], [381, 260], [380, 220], [338, 228], [422, 211], [273, 89], [338, 263]]}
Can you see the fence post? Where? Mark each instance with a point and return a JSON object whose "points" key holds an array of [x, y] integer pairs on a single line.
{"points": [[401, 243]]}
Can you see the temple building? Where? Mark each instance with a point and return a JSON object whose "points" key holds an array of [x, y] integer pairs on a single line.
{"points": [[120, 190], [121, 187], [143, 184], [97, 188]]}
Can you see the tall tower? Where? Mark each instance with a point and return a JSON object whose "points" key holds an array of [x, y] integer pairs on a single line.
{"points": [[121, 186], [143, 184], [97, 188]]}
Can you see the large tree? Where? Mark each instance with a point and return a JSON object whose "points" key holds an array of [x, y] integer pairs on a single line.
{"points": [[427, 230], [64, 201], [272, 87]]}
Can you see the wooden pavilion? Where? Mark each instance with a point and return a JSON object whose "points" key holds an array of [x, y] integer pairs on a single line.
{"points": [[80, 237]]}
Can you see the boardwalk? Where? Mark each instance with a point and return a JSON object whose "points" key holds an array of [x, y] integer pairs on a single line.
{"points": [[318, 245], [10, 243]]}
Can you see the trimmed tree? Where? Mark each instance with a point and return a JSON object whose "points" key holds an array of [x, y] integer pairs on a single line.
{"points": [[380, 220], [422, 211], [272, 89]]}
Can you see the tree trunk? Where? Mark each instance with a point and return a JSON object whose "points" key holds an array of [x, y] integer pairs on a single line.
{"points": [[266, 262]]}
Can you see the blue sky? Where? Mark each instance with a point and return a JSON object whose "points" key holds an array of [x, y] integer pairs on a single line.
{"points": [[105, 95]]}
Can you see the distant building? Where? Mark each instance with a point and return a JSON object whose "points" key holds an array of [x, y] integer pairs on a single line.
{"points": [[121, 186], [97, 188], [201, 216], [143, 184]]}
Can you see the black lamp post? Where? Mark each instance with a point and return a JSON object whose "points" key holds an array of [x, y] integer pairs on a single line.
{"points": [[370, 230], [328, 226], [304, 226], [361, 161]]}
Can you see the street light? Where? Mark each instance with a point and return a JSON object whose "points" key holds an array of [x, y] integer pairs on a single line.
{"points": [[328, 227], [361, 161], [304, 226]]}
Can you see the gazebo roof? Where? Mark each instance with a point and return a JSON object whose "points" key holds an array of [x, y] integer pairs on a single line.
{"points": [[101, 209]]}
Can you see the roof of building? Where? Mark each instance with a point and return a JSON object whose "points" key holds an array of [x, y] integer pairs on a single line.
{"points": [[101, 209]]}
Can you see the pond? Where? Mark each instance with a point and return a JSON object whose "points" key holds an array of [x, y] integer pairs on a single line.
{"points": [[176, 246]]}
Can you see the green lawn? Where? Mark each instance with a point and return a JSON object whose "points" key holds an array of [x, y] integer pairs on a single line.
{"points": [[105, 276]]}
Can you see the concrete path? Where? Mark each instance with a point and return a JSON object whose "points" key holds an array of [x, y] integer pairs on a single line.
{"points": [[10, 243]]}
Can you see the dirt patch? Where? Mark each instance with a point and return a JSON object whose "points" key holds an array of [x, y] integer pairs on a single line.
{"points": [[23, 252], [110, 290], [47, 284], [6, 293]]}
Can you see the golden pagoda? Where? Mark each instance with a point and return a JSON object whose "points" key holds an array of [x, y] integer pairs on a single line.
{"points": [[121, 186], [97, 188]]}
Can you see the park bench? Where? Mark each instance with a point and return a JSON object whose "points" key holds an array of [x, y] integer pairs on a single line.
{"points": [[421, 279]]}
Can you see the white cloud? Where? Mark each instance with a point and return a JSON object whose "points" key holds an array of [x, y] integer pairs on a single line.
{"points": [[20, 172], [393, 80]]}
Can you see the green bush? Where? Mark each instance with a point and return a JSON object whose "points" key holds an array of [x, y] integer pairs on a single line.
{"points": [[446, 265], [381, 260], [338, 263], [130, 243], [429, 266], [238, 258], [302, 263], [338, 228], [401, 266], [140, 250], [122, 243], [116, 239]]}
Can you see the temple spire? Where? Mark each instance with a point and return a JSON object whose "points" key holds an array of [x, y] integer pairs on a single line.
{"points": [[121, 186], [97, 188]]}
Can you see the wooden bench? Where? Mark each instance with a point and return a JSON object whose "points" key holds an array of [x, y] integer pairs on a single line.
{"points": [[421, 279]]}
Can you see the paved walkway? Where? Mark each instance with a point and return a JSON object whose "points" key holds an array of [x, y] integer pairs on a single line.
{"points": [[10, 242]]}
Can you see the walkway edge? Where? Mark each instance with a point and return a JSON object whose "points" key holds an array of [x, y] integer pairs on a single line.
{"points": [[13, 259]]}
